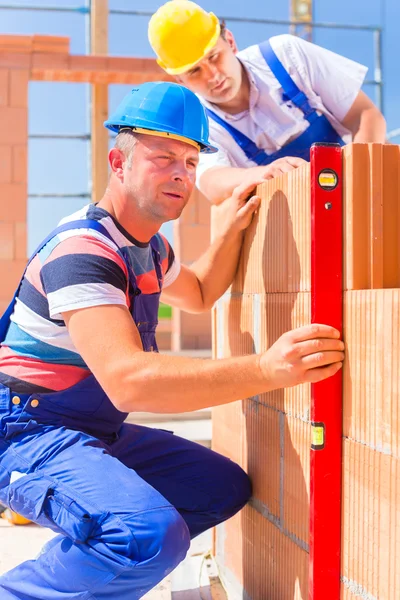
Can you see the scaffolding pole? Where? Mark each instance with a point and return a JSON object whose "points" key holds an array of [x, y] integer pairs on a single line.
{"points": [[99, 45]]}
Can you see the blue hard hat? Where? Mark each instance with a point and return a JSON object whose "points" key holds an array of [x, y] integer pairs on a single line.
{"points": [[165, 107]]}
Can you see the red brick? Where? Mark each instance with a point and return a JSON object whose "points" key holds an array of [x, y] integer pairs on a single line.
{"points": [[16, 43], [4, 86], [13, 125], [20, 164], [194, 241], [19, 81], [13, 200], [20, 238], [7, 241], [296, 475], [10, 275], [88, 63], [41, 60], [50, 44], [203, 210], [13, 60], [5, 164]]}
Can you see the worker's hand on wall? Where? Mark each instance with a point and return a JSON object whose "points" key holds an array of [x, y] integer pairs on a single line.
{"points": [[238, 210], [253, 176], [281, 165], [307, 354]]}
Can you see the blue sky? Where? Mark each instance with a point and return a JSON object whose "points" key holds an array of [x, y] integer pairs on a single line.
{"points": [[60, 166]]}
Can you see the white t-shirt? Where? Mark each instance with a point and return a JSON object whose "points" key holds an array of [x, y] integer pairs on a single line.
{"points": [[331, 83]]}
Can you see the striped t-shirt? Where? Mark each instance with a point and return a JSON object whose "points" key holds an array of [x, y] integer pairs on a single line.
{"points": [[76, 269]]}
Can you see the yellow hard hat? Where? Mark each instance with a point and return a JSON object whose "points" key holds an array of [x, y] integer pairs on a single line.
{"points": [[181, 33]]}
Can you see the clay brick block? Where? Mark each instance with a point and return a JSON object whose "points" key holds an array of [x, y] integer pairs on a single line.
{"points": [[7, 241], [19, 81], [238, 326], [229, 432], [372, 216], [20, 164], [44, 61], [263, 560], [87, 63], [391, 215], [5, 164], [20, 236], [296, 477], [371, 382], [13, 125], [13, 199], [203, 209], [10, 275], [189, 214], [194, 240], [16, 43], [264, 435], [279, 313], [50, 43], [276, 249], [14, 60], [371, 521], [4, 86]]}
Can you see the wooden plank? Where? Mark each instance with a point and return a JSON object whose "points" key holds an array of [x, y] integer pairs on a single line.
{"points": [[99, 46]]}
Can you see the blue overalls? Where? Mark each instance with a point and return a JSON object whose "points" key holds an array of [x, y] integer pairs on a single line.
{"points": [[318, 130], [125, 499]]}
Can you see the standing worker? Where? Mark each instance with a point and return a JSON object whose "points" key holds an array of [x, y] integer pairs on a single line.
{"points": [[79, 353], [267, 104]]}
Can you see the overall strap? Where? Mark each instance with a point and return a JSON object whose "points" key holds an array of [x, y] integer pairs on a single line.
{"points": [[290, 89], [250, 149], [157, 261]]}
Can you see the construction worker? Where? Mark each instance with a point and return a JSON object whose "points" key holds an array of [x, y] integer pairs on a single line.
{"points": [[79, 353], [267, 104]]}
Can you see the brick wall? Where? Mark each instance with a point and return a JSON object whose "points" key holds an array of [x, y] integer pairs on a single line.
{"points": [[263, 551], [191, 239], [13, 176]]}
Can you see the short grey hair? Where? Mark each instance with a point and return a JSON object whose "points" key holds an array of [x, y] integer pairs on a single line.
{"points": [[125, 141]]}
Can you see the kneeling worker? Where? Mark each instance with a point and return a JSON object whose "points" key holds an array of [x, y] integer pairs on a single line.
{"points": [[78, 353]]}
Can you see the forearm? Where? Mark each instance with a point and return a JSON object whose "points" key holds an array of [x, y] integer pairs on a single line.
{"points": [[218, 183], [372, 127], [216, 268], [168, 384]]}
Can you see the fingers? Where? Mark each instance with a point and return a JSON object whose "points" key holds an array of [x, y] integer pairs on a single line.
{"points": [[312, 331], [316, 346], [315, 375], [250, 207], [322, 359], [243, 190], [295, 161], [283, 165]]}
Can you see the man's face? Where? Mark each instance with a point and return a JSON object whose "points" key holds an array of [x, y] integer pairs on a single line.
{"points": [[162, 176], [218, 76]]}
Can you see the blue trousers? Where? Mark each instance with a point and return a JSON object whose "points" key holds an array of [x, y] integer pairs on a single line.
{"points": [[125, 510]]}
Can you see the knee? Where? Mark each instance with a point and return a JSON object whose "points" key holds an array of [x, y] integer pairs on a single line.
{"points": [[162, 539], [237, 489]]}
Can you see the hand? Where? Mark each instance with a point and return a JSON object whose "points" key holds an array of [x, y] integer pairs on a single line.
{"points": [[237, 211], [307, 354], [256, 175], [282, 165]]}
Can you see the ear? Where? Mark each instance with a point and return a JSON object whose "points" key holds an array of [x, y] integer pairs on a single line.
{"points": [[117, 159], [231, 40]]}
